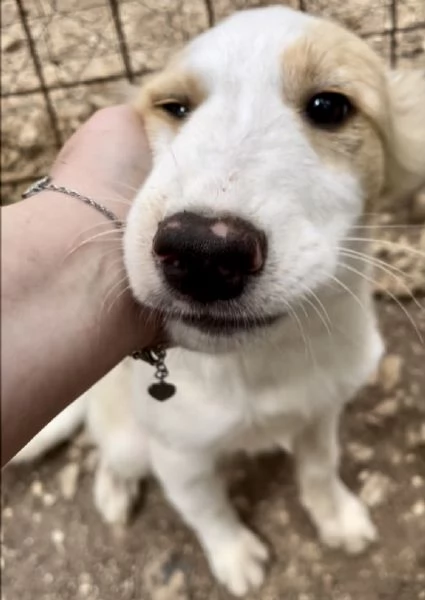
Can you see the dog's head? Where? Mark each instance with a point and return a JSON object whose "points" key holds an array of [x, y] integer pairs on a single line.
{"points": [[271, 134]]}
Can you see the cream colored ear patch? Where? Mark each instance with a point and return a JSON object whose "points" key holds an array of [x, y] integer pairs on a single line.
{"points": [[330, 59]]}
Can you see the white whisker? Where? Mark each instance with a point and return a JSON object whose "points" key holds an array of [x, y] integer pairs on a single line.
{"points": [[388, 226], [322, 314], [96, 238], [389, 242], [350, 292], [391, 295], [385, 267], [111, 291]]}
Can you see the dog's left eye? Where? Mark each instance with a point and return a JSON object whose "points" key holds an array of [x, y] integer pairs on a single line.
{"points": [[177, 110], [329, 109]]}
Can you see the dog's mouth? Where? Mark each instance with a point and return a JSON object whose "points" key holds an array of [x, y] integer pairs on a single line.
{"points": [[224, 325]]}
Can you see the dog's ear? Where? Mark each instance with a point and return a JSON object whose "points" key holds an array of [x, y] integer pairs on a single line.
{"points": [[405, 133]]}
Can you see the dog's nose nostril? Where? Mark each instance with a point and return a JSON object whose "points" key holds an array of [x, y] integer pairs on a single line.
{"points": [[208, 259]]}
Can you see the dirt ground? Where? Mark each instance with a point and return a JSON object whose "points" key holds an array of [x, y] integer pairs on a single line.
{"points": [[56, 548]]}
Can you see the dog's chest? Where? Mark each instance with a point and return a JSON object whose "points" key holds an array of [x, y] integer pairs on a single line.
{"points": [[227, 401]]}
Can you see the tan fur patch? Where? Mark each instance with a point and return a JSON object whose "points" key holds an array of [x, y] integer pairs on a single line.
{"points": [[172, 84], [329, 58]]}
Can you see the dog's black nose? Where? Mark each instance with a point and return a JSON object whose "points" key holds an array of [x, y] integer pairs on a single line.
{"points": [[208, 259]]}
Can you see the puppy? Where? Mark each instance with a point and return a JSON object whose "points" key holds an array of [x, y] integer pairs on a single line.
{"points": [[272, 134]]}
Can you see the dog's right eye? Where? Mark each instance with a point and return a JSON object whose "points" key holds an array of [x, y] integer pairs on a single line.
{"points": [[173, 108], [329, 109]]}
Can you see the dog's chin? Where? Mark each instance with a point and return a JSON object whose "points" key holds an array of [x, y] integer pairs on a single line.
{"points": [[213, 334]]}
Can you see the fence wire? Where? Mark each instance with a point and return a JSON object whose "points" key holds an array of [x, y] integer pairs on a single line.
{"points": [[61, 57]]}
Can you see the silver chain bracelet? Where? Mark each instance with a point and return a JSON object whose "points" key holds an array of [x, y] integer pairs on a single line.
{"points": [[45, 183]]}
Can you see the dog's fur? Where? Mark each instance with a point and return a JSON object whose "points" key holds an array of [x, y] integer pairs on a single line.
{"points": [[248, 150]]}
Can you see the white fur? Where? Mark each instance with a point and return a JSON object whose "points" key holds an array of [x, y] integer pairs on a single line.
{"points": [[283, 386]]}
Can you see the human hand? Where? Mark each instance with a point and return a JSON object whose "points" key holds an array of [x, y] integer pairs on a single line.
{"points": [[67, 309], [107, 158]]}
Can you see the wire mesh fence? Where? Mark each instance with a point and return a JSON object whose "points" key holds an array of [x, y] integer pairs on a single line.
{"points": [[63, 59]]}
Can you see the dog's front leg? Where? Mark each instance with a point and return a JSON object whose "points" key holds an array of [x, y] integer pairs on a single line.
{"points": [[340, 517], [235, 554]]}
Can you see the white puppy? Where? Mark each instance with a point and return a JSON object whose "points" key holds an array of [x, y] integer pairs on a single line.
{"points": [[272, 134]]}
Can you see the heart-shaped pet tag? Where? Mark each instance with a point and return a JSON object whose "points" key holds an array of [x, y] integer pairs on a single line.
{"points": [[162, 391]]}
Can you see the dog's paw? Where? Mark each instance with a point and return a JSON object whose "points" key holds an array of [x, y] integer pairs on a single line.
{"points": [[114, 496], [238, 561], [350, 528]]}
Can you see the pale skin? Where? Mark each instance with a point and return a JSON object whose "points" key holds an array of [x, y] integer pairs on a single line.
{"points": [[68, 315]]}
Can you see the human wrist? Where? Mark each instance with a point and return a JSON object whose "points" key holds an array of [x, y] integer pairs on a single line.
{"points": [[93, 188], [106, 160], [89, 247]]}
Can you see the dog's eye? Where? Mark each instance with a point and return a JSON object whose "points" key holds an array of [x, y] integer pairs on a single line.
{"points": [[329, 109], [177, 110]]}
